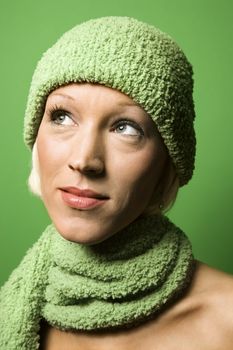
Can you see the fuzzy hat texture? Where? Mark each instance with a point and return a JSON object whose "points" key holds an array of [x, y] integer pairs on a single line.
{"points": [[133, 57]]}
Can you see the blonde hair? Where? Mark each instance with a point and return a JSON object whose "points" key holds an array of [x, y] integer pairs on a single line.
{"points": [[34, 177]]}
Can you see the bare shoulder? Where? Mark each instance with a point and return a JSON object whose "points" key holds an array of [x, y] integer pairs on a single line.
{"points": [[202, 319], [212, 292], [213, 284]]}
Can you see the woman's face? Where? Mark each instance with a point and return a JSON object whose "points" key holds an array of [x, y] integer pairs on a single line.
{"points": [[100, 160]]}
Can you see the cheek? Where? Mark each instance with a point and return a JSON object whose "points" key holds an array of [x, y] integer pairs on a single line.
{"points": [[51, 156], [139, 173]]}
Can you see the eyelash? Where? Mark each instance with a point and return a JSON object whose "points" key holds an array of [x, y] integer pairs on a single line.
{"points": [[129, 122], [56, 111]]}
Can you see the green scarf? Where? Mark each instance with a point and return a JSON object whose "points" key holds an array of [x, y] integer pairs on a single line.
{"points": [[117, 283]]}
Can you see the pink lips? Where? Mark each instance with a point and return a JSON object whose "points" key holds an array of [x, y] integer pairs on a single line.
{"points": [[82, 199]]}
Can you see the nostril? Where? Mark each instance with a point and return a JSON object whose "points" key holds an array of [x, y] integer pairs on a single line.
{"points": [[93, 167], [71, 167]]}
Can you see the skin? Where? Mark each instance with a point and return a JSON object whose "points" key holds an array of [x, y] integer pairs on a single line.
{"points": [[90, 146], [110, 162], [200, 320]]}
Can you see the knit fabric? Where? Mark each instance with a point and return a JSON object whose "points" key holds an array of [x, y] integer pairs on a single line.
{"points": [[117, 283], [134, 58], [21, 299]]}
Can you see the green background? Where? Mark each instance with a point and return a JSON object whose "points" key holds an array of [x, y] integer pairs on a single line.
{"points": [[204, 30]]}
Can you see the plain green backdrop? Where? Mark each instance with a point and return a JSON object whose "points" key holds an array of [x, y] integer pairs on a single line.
{"points": [[204, 29]]}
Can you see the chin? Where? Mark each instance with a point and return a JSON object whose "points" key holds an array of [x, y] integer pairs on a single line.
{"points": [[83, 234]]}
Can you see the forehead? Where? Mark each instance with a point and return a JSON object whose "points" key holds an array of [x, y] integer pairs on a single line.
{"points": [[76, 91]]}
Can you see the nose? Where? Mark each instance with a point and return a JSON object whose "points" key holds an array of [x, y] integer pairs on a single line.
{"points": [[87, 156]]}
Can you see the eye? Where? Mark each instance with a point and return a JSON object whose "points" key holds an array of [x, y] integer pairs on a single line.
{"points": [[128, 128], [61, 117]]}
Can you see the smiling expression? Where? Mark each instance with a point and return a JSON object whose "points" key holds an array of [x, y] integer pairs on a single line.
{"points": [[100, 160]]}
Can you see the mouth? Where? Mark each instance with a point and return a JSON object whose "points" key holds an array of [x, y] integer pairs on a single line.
{"points": [[83, 199]]}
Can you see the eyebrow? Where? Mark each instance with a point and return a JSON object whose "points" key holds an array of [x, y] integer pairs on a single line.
{"points": [[130, 104], [63, 95], [121, 103]]}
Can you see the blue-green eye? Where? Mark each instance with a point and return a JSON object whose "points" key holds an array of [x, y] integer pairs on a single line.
{"points": [[61, 117], [128, 128]]}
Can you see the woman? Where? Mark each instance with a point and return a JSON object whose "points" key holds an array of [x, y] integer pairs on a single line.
{"points": [[110, 120]]}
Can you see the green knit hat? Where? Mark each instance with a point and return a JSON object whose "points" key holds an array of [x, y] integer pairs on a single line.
{"points": [[134, 58]]}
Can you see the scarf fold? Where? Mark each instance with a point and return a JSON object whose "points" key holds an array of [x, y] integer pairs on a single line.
{"points": [[117, 283]]}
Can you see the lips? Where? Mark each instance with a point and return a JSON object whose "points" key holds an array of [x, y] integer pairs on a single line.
{"points": [[82, 198]]}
